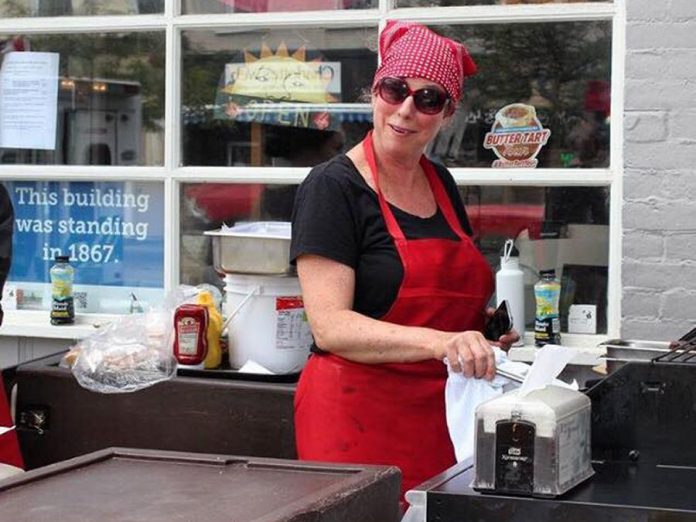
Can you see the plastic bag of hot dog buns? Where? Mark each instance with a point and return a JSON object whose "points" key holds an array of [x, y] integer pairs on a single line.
{"points": [[131, 352]]}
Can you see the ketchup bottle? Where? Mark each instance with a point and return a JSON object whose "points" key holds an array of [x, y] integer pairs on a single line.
{"points": [[190, 326]]}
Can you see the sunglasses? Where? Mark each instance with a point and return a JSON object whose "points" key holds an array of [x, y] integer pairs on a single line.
{"points": [[428, 100]]}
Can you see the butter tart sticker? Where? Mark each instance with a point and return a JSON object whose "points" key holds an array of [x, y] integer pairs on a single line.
{"points": [[516, 137]]}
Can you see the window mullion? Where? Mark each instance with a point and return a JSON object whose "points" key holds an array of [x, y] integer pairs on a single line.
{"points": [[485, 14]]}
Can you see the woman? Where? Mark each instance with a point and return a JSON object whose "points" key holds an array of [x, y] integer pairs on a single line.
{"points": [[391, 282]]}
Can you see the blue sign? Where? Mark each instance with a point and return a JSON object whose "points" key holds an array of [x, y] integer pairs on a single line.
{"points": [[112, 231]]}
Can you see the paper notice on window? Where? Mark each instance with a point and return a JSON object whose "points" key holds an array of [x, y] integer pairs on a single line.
{"points": [[28, 100]]}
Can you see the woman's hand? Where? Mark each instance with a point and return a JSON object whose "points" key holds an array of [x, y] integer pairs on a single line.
{"points": [[470, 353], [506, 340]]}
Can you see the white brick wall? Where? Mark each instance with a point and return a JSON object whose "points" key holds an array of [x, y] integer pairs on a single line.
{"points": [[659, 213]]}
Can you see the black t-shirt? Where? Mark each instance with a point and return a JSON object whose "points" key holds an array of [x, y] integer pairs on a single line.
{"points": [[337, 216]]}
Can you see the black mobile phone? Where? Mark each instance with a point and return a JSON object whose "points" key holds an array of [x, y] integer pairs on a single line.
{"points": [[499, 323]]}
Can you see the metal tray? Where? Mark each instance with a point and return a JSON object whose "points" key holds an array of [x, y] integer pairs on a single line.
{"points": [[634, 350], [622, 351], [252, 248]]}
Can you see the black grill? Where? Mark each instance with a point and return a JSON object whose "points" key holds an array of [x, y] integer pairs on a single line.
{"points": [[685, 353]]}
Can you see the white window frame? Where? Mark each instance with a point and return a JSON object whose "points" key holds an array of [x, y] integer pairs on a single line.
{"points": [[171, 174]]}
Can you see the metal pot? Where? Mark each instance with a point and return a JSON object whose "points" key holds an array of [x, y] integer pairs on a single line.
{"points": [[261, 247]]}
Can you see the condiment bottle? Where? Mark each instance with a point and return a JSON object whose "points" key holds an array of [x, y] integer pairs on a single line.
{"points": [[62, 304], [509, 284], [214, 357], [547, 324], [190, 327]]}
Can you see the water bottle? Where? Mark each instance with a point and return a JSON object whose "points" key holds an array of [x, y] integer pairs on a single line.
{"points": [[509, 284], [62, 305], [547, 324]]}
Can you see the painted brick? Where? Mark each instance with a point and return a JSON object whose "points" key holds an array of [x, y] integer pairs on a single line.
{"points": [[680, 216], [653, 330], [660, 215], [678, 305], [640, 303], [659, 35], [659, 208], [669, 154], [680, 247], [641, 215], [639, 244], [642, 184], [681, 10], [644, 65], [682, 124], [681, 64], [676, 64], [659, 276], [643, 127], [679, 185], [646, 10], [659, 93]]}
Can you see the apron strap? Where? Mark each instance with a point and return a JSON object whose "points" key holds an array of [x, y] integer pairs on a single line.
{"points": [[442, 198], [440, 194], [392, 226]]}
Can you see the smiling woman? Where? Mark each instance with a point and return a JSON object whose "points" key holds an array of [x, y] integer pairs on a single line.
{"points": [[391, 280]]}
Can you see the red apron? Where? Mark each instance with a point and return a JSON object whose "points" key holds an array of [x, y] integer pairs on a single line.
{"points": [[395, 413]]}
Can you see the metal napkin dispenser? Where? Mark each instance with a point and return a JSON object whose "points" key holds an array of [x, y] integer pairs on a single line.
{"points": [[535, 445]]}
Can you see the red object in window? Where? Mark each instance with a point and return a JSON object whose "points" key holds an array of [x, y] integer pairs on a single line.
{"points": [[224, 201], [504, 220], [598, 97]]}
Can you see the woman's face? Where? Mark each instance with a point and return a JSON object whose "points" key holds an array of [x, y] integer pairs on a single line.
{"points": [[402, 128]]}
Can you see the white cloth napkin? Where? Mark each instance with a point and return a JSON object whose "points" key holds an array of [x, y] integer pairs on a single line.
{"points": [[463, 395]]}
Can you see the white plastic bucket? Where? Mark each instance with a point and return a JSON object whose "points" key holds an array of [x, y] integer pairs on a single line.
{"points": [[270, 325]]}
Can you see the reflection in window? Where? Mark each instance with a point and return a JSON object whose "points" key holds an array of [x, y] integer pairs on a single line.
{"points": [[573, 238], [110, 103], [31, 8], [113, 232], [565, 228], [264, 6], [562, 70], [206, 206], [443, 3], [284, 98]]}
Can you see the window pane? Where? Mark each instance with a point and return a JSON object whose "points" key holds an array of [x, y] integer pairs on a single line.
{"points": [[263, 6], [29, 8], [109, 106], [559, 72], [112, 231], [278, 97], [206, 206], [565, 228], [441, 3]]}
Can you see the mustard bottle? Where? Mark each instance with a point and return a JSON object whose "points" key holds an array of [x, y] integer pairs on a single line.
{"points": [[213, 332]]}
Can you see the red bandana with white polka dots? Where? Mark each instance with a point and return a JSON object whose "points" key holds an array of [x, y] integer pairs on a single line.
{"points": [[411, 50]]}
